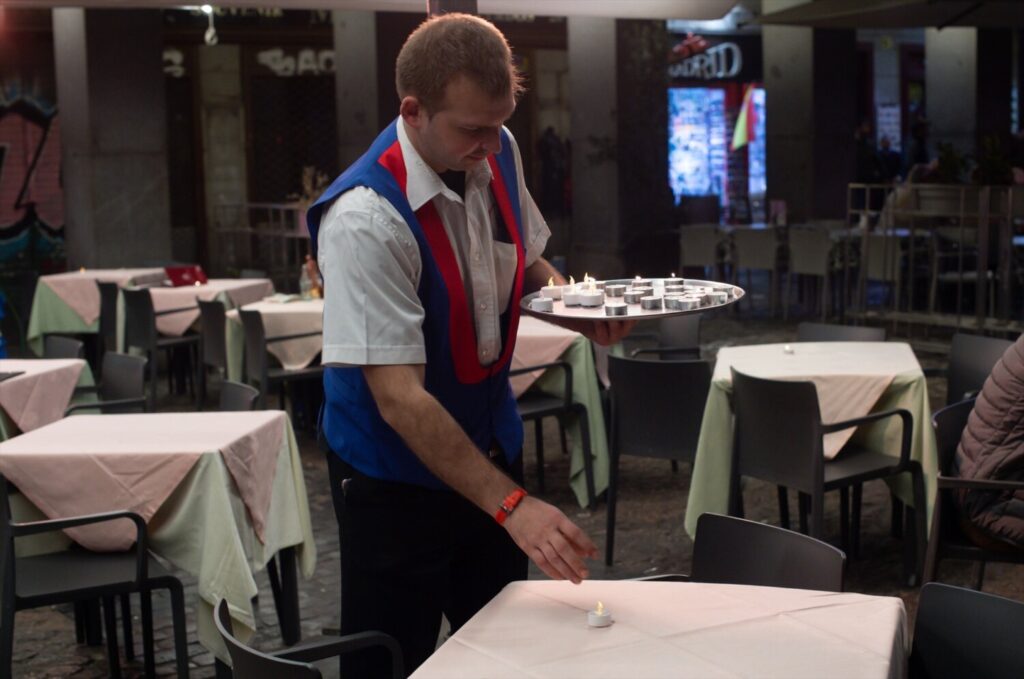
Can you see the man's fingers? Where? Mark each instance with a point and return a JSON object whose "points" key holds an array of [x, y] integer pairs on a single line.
{"points": [[566, 551], [579, 540], [542, 562], [554, 558]]}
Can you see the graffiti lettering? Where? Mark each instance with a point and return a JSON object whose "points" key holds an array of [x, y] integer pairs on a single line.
{"points": [[303, 62], [721, 61]]}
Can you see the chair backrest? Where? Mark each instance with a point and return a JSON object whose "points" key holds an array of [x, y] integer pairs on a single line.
{"points": [[55, 346], [809, 251], [237, 396], [255, 347], [831, 332], [211, 323], [949, 423], [108, 315], [971, 359], [698, 245], [964, 633], [755, 248], [139, 319], [250, 663], [124, 377], [680, 331], [657, 406], [735, 551], [882, 259], [777, 432]]}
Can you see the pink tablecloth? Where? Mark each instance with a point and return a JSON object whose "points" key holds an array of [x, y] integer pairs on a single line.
{"points": [[537, 342], [676, 629], [290, 318], [78, 288], [240, 291], [96, 463], [42, 393]]}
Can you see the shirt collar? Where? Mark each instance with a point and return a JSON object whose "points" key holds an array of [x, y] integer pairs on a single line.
{"points": [[422, 183]]}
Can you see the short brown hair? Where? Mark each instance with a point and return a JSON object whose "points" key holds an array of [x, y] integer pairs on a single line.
{"points": [[447, 46]]}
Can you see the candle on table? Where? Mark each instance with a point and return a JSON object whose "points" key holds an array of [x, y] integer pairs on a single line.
{"points": [[551, 290], [599, 617], [542, 304]]}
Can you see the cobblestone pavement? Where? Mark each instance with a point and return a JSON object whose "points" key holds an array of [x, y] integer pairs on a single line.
{"points": [[649, 539]]}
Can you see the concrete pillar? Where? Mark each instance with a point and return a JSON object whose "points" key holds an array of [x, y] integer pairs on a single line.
{"points": [[595, 177], [110, 94], [355, 82], [994, 82], [951, 57]]}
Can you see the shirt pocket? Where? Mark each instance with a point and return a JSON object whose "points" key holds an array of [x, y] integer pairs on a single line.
{"points": [[505, 260]]}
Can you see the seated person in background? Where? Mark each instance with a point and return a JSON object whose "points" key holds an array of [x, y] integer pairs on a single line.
{"points": [[992, 447]]}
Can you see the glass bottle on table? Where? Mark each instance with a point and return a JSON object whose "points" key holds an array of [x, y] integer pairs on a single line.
{"points": [[305, 282]]}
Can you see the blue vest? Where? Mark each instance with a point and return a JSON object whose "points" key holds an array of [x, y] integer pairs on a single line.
{"points": [[478, 397]]}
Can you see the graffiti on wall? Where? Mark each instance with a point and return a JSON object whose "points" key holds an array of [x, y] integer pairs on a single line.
{"points": [[31, 197]]}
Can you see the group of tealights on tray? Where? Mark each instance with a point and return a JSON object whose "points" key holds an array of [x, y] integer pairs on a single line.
{"points": [[671, 294]]}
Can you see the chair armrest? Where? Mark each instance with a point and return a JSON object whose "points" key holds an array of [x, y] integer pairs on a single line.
{"points": [[285, 338], [695, 351], [952, 483], [175, 311], [87, 389], [327, 647], [563, 365], [904, 415], [117, 403]]}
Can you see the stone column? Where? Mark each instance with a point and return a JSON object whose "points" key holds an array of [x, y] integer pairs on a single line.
{"points": [[355, 82], [951, 84], [110, 94]]}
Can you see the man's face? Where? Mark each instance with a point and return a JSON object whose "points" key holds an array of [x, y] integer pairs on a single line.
{"points": [[464, 131]]}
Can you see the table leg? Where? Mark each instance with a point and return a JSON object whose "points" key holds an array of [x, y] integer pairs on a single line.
{"points": [[284, 584], [222, 670]]}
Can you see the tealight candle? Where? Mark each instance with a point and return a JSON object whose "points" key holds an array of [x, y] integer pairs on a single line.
{"points": [[615, 290], [591, 297], [615, 309], [542, 304], [634, 296], [688, 303], [644, 292], [669, 289], [640, 283], [81, 270], [551, 290], [672, 301], [719, 297], [599, 617], [570, 296], [651, 302], [787, 349], [672, 280]]}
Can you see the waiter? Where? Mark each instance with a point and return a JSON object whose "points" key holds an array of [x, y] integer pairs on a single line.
{"points": [[426, 245]]}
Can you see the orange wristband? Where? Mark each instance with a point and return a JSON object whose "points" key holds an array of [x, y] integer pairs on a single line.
{"points": [[508, 505]]}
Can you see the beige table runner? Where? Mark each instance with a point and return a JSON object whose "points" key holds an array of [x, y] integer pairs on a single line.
{"points": [[240, 291], [669, 629], [79, 291], [850, 376], [134, 462], [290, 318], [537, 342], [40, 395]]}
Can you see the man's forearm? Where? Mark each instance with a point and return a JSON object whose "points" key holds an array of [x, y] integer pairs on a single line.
{"points": [[538, 274]]}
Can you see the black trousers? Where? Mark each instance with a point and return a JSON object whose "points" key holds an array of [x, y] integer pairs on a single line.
{"points": [[409, 554]]}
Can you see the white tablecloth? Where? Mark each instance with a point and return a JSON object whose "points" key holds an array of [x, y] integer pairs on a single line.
{"points": [[670, 629], [41, 393], [279, 318]]}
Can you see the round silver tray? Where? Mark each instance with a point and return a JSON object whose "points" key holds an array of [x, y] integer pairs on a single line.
{"points": [[633, 311]]}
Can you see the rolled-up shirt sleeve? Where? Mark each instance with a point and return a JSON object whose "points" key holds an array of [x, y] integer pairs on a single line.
{"points": [[535, 229], [371, 268]]}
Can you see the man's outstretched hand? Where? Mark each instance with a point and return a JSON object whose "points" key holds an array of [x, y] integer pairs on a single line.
{"points": [[551, 540]]}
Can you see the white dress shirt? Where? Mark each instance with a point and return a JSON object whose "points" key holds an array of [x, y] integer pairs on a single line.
{"points": [[371, 264]]}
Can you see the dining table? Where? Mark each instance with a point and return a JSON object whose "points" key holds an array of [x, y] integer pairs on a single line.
{"points": [[282, 315], [35, 391], [69, 302], [852, 379], [539, 629], [221, 495]]}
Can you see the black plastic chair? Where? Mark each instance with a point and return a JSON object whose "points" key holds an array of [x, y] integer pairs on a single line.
{"points": [[947, 539], [80, 576], [108, 319], [213, 347], [735, 551], [295, 662], [656, 411], [140, 333], [122, 389], [534, 406], [257, 364], [831, 332], [971, 359], [778, 438], [237, 396], [56, 346], [962, 633], [678, 339]]}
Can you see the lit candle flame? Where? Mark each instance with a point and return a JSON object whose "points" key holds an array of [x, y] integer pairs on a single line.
{"points": [[673, 274], [551, 281], [600, 608], [82, 270], [572, 281], [197, 284], [586, 277], [638, 278]]}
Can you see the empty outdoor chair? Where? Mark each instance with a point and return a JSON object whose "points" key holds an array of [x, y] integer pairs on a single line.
{"points": [[961, 633], [122, 389], [140, 333], [296, 662], [78, 576], [756, 249], [971, 359], [56, 346], [237, 396], [213, 348], [534, 406], [778, 438], [810, 254], [258, 370], [699, 246], [656, 411], [882, 262], [107, 338], [831, 332], [947, 539]]}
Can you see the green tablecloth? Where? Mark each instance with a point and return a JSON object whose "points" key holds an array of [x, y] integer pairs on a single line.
{"points": [[709, 486], [51, 314]]}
